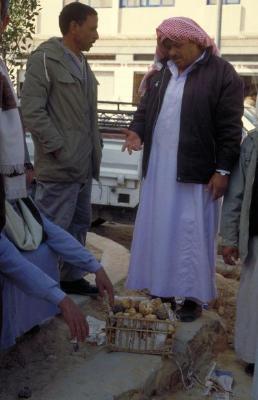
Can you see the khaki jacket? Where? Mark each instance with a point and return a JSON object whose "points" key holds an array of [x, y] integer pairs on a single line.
{"points": [[53, 106], [237, 201]]}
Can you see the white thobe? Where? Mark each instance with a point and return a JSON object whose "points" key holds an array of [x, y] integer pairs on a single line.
{"points": [[173, 252]]}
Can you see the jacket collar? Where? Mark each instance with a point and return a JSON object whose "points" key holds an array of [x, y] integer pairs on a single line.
{"points": [[54, 50], [206, 57]]}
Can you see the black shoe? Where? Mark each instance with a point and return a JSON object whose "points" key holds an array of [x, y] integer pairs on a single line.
{"points": [[189, 312], [80, 286], [249, 369]]}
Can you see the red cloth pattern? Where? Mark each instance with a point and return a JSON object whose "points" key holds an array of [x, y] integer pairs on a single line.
{"points": [[182, 28]]}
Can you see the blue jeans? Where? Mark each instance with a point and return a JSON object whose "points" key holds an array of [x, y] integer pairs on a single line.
{"points": [[69, 206]]}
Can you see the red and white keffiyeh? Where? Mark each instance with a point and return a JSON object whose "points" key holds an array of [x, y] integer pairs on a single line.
{"points": [[178, 29], [182, 28]]}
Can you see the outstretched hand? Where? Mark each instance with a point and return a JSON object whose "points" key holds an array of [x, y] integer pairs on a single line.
{"points": [[75, 319], [132, 142], [230, 255], [104, 284]]}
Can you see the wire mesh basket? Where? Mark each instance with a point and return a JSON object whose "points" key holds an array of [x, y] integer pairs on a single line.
{"points": [[129, 334]]}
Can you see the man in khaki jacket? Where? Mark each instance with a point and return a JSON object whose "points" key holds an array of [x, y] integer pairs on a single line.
{"points": [[59, 107]]}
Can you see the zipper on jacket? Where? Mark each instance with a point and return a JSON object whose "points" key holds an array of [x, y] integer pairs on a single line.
{"points": [[159, 100]]}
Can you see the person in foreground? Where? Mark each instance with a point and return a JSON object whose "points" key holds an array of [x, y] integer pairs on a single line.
{"points": [[239, 231], [189, 122], [30, 245]]}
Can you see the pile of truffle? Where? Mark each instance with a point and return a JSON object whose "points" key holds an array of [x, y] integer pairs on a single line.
{"points": [[145, 309]]}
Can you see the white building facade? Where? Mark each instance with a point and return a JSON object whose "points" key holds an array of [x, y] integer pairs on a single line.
{"points": [[127, 37]]}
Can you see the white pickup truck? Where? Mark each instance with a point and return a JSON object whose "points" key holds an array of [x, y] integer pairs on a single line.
{"points": [[116, 196]]}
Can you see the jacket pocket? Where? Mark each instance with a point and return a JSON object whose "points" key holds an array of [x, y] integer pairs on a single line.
{"points": [[65, 78], [62, 155]]}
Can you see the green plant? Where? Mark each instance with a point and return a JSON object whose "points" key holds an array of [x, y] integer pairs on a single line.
{"points": [[17, 39]]}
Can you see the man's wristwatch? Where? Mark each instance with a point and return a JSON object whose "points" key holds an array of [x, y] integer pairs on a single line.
{"points": [[222, 172]]}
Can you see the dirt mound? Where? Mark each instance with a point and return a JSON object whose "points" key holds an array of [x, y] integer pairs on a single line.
{"points": [[225, 304]]}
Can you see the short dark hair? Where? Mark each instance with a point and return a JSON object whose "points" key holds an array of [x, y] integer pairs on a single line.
{"points": [[75, 11]]}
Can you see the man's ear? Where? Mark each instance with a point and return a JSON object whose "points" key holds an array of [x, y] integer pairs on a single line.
{"points": [[73, 27]]}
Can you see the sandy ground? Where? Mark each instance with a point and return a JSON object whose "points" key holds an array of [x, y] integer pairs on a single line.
{"points": [[34, 363], [121, 234], [38, 357]]}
